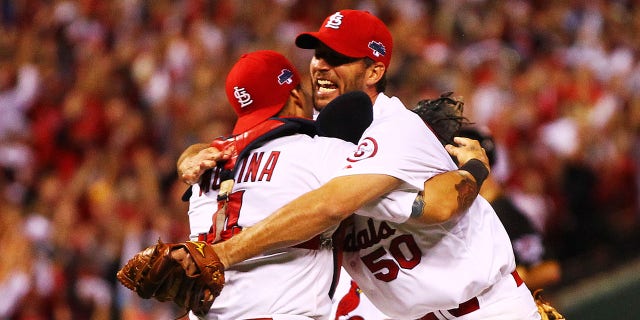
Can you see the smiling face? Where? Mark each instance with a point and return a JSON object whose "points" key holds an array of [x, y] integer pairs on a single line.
{"points": [[333, 74]]}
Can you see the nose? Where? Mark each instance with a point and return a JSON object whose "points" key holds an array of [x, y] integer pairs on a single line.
{"points": [[319, 64]]}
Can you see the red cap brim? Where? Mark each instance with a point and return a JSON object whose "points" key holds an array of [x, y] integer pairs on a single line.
{"points": [[254, 118]]}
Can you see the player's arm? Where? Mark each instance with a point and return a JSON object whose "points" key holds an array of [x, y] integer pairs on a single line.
{"points": [[195, 160], [306, 216], [451, 193], [325, 207]]}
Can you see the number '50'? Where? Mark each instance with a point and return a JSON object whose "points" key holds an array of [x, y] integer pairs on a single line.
{"points": [[406, 255]]}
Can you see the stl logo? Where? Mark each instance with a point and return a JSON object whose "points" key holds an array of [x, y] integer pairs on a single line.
{"points": [[243, 97], [334, 21], [367, 148], [378, 48], [286, 76]]}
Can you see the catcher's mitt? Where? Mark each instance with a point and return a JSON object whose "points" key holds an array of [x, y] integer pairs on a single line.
{"points": [[443, 115], [153, 273], [547, 312]]}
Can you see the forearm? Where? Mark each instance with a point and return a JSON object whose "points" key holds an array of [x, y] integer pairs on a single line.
{"points": [[450, 193], [294, 223], [305, 217], [446, 195]]}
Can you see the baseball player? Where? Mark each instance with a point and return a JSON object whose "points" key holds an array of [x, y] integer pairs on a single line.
{"points": [[289, 283], [534, 262], [457, 264], [407, 249]]}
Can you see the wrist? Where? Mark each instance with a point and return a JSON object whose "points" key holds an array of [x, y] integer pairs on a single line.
{"points": [[477, 169], [221, 254]]}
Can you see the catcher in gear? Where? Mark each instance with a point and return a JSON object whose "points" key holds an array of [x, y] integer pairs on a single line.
{"points": [[190, 273], [444, 116]]}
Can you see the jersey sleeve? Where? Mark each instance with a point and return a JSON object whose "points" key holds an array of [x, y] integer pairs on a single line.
{"points": [[402, 146], [329, 155]]}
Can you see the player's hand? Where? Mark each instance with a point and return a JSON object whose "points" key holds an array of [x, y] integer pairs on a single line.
{"points": [[467, 149], [183, 257], [152, 273], [192, 167]]}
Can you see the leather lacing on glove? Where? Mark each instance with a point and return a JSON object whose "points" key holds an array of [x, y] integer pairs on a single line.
{"points": [[153, 273], [546, 310]]}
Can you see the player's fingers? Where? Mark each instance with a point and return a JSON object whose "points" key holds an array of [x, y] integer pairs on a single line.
{"points": [[185, 260], [467, 150], [458, 140], [451, 149], [461, 141], [190, 175], [227, 153], [189, 265], [467, 142], [213, 154], [206, 164], [209, 153]]}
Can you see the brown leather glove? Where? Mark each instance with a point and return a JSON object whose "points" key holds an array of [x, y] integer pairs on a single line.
{"points": [[547, 312], [153, 273]]}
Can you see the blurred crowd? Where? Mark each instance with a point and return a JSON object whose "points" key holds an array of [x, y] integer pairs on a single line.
{"points": [[99, 98]]}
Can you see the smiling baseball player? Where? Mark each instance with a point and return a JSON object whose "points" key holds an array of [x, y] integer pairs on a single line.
{"points": [[412, 258], [460, 268]]}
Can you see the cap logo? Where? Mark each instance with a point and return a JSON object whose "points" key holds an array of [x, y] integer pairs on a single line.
{"points": [[286, 76], [243, 97], [334, 21], [378, 48]]}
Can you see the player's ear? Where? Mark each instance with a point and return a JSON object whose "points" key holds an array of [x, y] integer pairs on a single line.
{"points": [[301, 103], [297, 105], [374, 73]]}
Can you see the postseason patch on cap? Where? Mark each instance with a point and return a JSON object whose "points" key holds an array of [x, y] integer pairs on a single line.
{"points": [[378, 48], [285, 77]]}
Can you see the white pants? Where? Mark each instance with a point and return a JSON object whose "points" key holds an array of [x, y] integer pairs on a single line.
{"points": [[503, 301]]}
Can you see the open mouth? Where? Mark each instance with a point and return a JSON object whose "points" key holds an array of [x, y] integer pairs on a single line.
{"points": [[325, 86]]}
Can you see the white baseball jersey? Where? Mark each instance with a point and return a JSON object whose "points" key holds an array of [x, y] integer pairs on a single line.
{"points": [[409, 270], [293, 282], [349, 302]]}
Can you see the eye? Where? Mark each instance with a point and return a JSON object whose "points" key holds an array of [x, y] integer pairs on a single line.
{"points": [[332, 57]]}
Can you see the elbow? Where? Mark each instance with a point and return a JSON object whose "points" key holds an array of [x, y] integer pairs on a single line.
{"points": [[437, 213], [429, 211], [440, 214]]}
